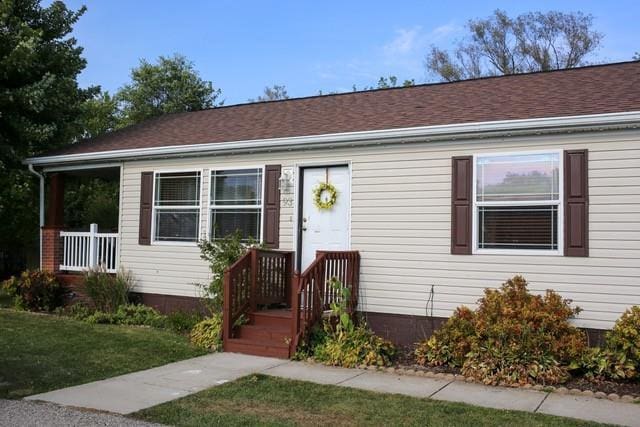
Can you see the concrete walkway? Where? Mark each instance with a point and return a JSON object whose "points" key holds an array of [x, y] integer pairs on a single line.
{"points": [[139, 390]]}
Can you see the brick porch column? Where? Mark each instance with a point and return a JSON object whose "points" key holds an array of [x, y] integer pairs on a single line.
{"points": [[51, 241]]}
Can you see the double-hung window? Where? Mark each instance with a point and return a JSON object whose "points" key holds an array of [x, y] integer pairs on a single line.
{"points": [[517, 204], [176, 206], [236, 203]]}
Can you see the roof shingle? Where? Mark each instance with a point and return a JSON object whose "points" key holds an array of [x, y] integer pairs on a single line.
{"points": [[580, 91]]}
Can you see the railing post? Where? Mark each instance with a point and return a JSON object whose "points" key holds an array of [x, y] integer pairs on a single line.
{"points": [[93, 245], [288, 277], [295, 311], [226, 308], [253, 296]]}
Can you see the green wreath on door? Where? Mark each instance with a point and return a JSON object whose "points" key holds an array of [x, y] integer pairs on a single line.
{"points": [[319, 191]]}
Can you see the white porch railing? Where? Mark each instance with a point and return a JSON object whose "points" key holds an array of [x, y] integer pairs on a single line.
{"points": [[82, 250]]}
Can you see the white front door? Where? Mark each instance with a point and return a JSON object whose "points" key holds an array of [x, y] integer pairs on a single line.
{"points": [[324, 229]]}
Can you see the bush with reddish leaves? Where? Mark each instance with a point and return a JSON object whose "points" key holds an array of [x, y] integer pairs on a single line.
{"points": [[513, 337], [35, 290]]}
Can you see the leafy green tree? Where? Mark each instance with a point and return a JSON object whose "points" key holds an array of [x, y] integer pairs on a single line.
{"points": [[533, 41], [100, 114], [171, 85], [40, 109], [636, 57], [387, 82], [273, 93]]}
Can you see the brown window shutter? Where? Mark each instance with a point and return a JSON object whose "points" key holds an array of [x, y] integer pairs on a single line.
{"points": [[146, 208], [461, 205], [576, 203], [271, 220]]}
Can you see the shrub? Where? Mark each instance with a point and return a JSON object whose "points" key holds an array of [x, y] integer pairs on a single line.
{"points": [[77, 311], [108, 291], [182, 321], [208, 333], [620, 356], [220, 254], [513, 337], [129, 314], [35, 290], [346, 344]]}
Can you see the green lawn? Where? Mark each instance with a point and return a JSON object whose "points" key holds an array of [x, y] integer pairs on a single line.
{"points": [[44, 352], [268, 401]]}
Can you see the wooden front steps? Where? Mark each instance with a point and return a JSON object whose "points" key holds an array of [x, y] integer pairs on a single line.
{"points": [[268, 333]]}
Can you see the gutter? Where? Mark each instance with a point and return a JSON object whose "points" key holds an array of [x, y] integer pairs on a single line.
{"points": [[475, 130], [41, 222]]}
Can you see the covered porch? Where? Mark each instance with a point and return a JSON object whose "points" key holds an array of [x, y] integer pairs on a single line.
{"points": [[79, 218]]}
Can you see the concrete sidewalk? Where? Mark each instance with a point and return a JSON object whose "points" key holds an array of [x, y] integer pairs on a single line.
{"points": [[140, 390]]}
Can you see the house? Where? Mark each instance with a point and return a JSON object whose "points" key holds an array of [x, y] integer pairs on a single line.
{"points": [[442, 189]]}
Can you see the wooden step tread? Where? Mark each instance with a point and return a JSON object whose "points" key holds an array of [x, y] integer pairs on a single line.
{"points": [[259, 343], [283, 314]]}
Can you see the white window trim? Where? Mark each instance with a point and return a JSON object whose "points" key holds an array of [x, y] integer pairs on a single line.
{"points": [[155, 242], [211, 207], [526, 252]]}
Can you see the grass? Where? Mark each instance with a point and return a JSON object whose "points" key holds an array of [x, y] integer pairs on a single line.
{"points": [[268, 401], [40, 352]]}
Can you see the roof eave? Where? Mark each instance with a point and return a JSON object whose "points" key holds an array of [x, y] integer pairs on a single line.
{"points": [[475, 130]]}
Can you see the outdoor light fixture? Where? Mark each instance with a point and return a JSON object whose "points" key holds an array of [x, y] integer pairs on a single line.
{"points": [[286, 181]]}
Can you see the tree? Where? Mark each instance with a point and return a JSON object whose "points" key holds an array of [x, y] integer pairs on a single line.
{"points": [[386, 83], [40, 106], [170, 86], [273, 93], [100, 114], [636, 57], [500, 45]]}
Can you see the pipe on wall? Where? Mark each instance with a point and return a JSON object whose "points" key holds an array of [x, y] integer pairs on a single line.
{"points": [[41, 222]]}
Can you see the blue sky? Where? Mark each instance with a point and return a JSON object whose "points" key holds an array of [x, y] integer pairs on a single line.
{"points": [[242, 46]]}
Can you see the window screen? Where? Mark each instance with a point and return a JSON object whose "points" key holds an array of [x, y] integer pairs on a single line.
{"points": [[236, 203], [177, 206], [517, 201]]}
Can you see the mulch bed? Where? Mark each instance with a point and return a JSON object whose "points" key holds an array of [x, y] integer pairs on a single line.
{"points": [[618, 387], [406, 359]]}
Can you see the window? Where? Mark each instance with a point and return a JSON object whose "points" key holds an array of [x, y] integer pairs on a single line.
{"points": [[236, 203], [176, 206], [517, 202]]}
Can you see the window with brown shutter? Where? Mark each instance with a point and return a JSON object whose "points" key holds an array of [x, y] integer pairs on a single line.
{"points": [[146, 208], [576, 203], [461, 215], [517, 202]]}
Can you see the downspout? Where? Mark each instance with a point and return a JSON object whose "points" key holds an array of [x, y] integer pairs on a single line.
{"points": [[39, 175]]}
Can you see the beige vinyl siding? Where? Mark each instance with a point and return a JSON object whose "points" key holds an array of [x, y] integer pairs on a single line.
{"points": [[400, 222]]}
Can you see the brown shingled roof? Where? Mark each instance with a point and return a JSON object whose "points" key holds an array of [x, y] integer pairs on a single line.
{"points": [[588, 90]]}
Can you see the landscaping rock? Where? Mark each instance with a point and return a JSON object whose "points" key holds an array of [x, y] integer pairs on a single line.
{"points": [[575, 391], [600, 395], [627, 398], [562, 390], [613, 396]]}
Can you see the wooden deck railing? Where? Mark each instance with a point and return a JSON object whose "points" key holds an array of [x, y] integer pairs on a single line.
{"points": [[312, 294], [259, 277]]}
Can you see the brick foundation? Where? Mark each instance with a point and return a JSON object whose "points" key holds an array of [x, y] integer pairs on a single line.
{"points": [[51, 249]]}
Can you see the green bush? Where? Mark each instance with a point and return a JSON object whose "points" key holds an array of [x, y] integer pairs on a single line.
{"points": [[208, 333], [513, 337], [182, 321], [346, 344], [108, 291], [619, 358], [220, 254], [35, 290], [129, 314]]}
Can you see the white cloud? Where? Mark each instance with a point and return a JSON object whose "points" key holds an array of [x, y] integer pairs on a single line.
{"points": [[402, 55], [404, 42]]}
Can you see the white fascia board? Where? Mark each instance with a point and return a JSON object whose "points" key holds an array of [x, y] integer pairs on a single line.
{"points": [[423, 133]]}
